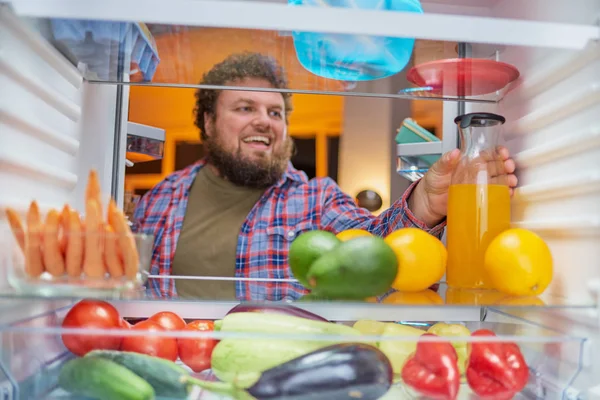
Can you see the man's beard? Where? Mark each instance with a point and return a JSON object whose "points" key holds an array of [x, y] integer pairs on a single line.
{"points": [[240, 170]]}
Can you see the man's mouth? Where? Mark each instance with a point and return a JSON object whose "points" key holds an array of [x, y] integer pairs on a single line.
{"points": [[258, 141]]}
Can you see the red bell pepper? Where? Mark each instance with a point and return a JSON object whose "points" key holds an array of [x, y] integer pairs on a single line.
{"points": [[432, 370], [495, 370]]}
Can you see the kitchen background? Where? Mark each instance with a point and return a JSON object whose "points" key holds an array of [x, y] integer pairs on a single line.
{"points": [[329, 131]]}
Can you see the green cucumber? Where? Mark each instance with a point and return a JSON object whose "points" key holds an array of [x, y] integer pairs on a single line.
{"points": [[163, 375], [168, 379], [103, 379]]}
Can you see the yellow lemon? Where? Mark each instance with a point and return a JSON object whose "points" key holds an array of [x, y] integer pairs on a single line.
{"points": [[444, 254], [351, 234], [519, 263], [421, 259], [473, 297], [521, 301], [424, 297]]}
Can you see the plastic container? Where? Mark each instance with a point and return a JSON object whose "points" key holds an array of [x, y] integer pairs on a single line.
{"points": [[88, 263], [36, 350], [478, 201], [99, 45], [354, 57], [463, 76]]}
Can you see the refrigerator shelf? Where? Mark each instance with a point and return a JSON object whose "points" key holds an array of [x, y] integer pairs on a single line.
{"points": [[438, 297], [33, 351], [163, 56]]}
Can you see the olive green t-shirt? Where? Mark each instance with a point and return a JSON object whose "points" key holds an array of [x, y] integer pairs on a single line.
{"points": [[207, 244]]}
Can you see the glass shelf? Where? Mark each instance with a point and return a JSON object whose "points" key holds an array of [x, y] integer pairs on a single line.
{"points": [[139, 54], [173, 44], [553, 358], [288, 291]]}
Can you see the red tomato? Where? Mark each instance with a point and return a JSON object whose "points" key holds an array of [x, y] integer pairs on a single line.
{"points": [[123, 324], [196, 353], [158, 346], [168, 320], [92, 314]]}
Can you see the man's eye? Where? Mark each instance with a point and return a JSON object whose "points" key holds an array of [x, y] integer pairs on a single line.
{"points": [[244, 109], [276, 114]]}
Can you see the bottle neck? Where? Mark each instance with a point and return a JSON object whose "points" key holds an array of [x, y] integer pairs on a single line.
{"points": [[474, 141]]}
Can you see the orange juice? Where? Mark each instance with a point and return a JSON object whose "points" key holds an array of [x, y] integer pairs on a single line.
{"points": [[476, 214]]}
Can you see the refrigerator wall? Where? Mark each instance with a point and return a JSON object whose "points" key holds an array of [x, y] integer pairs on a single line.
{"points": [[54, 125], [553, 131], [53, 128]]}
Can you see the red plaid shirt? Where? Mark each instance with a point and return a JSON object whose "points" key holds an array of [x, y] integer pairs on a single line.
{"points": [[292, 206]]}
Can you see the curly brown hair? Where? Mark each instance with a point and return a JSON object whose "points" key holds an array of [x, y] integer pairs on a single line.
{"points": [[234, 68]]}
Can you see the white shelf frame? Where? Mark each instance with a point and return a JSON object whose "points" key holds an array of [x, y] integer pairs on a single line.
{"points": [[333, 311], [145, 131], [281, 17], [419, 149]]}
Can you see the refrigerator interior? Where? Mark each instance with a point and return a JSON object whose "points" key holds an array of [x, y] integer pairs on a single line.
{"points": [[60, 117]]}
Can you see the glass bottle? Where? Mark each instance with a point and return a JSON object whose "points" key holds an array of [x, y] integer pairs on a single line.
{"points": [[478, 200]]}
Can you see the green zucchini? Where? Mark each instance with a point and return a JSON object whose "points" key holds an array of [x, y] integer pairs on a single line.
{"points": [[163, 375], [103, 379], [242, 360], [279, 323]]}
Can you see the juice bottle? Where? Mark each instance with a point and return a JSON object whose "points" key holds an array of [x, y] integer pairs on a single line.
{"points": [[476, 214], [478, 201]]}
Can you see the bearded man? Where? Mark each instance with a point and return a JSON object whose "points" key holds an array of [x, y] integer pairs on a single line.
{"points": [[234, 213]]}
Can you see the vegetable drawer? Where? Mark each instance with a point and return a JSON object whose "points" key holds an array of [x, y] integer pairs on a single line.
{"points": [[98, 349]]}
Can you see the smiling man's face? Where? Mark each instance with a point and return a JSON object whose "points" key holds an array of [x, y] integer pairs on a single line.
{"points": [[247, 137]]}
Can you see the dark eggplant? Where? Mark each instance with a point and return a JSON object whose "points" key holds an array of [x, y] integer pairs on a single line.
{"points": [[345, 371], [276, 309]]}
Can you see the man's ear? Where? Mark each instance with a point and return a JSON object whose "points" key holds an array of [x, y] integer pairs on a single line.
{"points": [[209, 124]]}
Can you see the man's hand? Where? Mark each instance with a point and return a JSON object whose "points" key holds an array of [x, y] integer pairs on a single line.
{"points": [[429, 200]]}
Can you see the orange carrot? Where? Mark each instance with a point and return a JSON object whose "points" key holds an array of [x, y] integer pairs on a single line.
{"points": [[93, 265], [125, 239], [52, 255], [74, 254], [64, 228], [93, 190], [16, 226], [34, 266], [111, 256]]}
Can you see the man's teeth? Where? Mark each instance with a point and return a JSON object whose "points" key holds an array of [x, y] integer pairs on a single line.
{"points": [[261, 139]]}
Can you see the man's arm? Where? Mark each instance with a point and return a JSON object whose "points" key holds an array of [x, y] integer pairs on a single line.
{"points": [[148, 214], [139, 214], [341, 212]]}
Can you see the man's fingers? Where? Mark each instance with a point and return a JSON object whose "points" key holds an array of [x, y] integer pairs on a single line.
{"points": [[503, 153], [446, 164], [495, 168], [498, 153], [510, 166], [510, 180], [498, 167]]}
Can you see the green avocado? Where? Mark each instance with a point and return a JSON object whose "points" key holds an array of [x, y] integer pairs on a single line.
{"points": [[307, 248], [362, 267]]}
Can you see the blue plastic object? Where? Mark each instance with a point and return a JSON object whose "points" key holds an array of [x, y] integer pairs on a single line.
{"points": [[354, 57]]}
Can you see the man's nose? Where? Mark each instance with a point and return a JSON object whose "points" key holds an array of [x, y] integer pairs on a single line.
{"points": [[262, 120]]}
